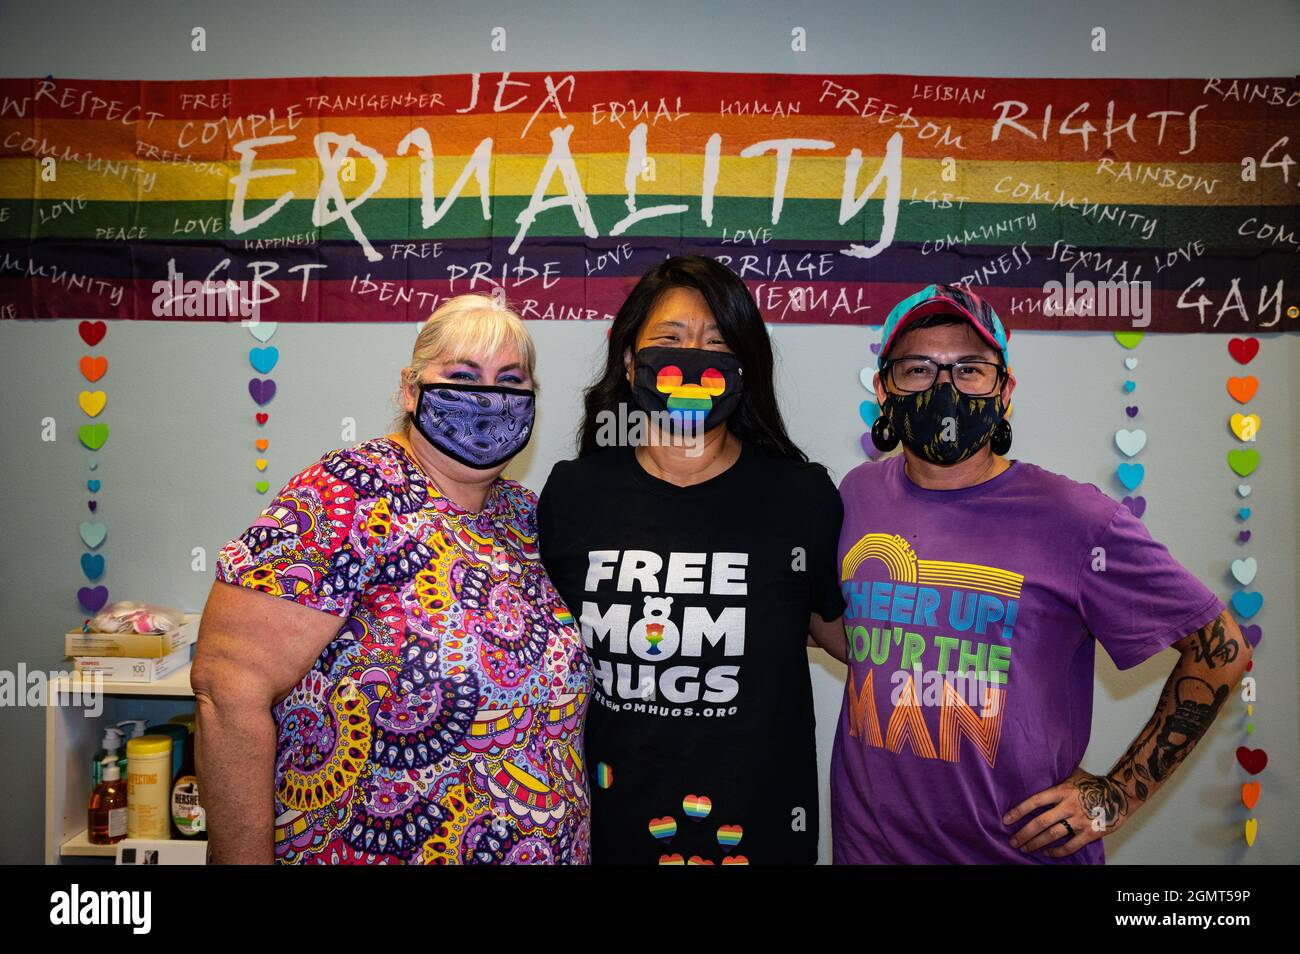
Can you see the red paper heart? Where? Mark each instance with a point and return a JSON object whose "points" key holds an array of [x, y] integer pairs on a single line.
{"points": [[1252, 760], [92, 332], [1243, 349], [261, 418], [94, 368]]}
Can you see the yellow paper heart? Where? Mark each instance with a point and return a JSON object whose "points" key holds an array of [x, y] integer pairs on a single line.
{"points": [[92, 402], [1245, 426], [1251, 827], [261, 463]]}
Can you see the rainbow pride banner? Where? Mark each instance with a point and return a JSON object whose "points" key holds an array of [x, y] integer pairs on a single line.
{"points": [[832, 196]]}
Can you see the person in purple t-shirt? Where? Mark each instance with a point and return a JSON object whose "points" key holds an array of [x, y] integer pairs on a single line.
{"points": [[977, 589]]}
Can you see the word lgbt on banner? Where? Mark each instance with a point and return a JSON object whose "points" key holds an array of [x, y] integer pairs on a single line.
{"points": [[832, 196]]}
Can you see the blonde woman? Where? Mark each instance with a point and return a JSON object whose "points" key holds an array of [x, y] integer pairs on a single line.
{"points": [[385, 673]]}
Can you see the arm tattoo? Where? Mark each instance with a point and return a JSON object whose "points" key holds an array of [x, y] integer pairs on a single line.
{"points": [[1212, 646]]}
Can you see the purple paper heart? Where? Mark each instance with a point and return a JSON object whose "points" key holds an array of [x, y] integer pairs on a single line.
{"points": [[1253, 634], [261, 390], [875, 348], [1136, 504], [93, 598], [1131, 410], [1243, 536], [92, 505], [869, 448]]}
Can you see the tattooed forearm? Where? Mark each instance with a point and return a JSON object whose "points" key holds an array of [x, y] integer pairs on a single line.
{"points": [[1213, 659]]}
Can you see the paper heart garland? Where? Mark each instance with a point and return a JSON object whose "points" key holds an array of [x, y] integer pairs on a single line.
{"points": [[92, 369], [1253, 761], [1138, 505], [1246, 604], [1131, 410], [263, 359], [1245, 427], [261, 390], [92, 598], [93, 505], [1244, 513], [92, 332], [261, 463], [1243, 389], [1243, 537], [865, 377], [869, 411], [92, 534], [1130, 363], [869, 448], [93, 435], [1243, 349], [262, 330], [1243, 571], [92, 486], [261, 443], [1130, 442], [1253, 634], [1130, 475], [92, 564], [1129, 339], [1243, 490], [1250, 794], [92, 402], [1252, 828], [1243, 461], [1129, 386], [262, 486], [261, 419]]}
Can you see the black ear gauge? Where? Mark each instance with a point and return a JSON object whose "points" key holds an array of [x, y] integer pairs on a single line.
{"points": [[881, 435], [1000, 443]]}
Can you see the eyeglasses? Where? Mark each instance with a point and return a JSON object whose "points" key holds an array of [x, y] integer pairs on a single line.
{"points": [[914, 373]]}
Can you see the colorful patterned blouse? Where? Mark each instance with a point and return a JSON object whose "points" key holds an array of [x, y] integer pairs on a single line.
{"points": [[443, 723]]}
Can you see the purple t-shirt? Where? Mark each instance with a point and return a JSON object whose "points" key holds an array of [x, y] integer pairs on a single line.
{"points": [[970, 624]]}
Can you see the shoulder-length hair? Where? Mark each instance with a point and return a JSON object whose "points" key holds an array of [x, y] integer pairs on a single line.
{"points": [[756, 419]]}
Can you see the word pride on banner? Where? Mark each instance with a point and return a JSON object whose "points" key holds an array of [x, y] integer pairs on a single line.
{"points": [[371, 199]]}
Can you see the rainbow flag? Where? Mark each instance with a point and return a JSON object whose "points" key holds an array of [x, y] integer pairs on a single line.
{"points": [[832, 196]]}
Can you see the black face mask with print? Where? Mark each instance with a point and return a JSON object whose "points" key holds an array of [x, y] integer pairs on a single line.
{"points": [[943, 425], [691, 384]]}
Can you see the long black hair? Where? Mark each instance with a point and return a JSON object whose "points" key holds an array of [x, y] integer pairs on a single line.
{"points": [[756, 419]]}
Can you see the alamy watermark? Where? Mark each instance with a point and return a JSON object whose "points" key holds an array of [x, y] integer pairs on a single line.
{"points": [[36, 688], [1099, 299], [636, 428]]}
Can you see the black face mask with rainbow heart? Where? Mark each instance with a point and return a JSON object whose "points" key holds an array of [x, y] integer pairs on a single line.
{"points": [[693, 385], [943, 425]]}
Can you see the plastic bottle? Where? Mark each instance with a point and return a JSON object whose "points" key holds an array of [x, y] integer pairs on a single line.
{"points": [[149, 787], [130, 729], [188, 819], [110, 749], [106, 813]]}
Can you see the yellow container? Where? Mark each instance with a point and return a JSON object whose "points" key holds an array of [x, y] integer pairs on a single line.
{"points": [[149, 787]]}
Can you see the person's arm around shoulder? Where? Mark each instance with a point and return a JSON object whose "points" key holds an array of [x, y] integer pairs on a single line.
{"points": [[252, 650]]}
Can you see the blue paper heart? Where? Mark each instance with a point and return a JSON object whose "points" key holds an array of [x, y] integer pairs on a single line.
{"points": [[92, 564], [92, 486], [1130, 475], [1244, 513], [1247, 604], [264, 359], [1129, 386], [869, 410]]}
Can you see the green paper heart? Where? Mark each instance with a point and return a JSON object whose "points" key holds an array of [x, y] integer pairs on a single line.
{"points": [[1243, 461], [1129, 339], [262, 486], [93, 435]]}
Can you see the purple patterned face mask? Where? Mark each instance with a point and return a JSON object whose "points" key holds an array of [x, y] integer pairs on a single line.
{"points": [[479, 425]]}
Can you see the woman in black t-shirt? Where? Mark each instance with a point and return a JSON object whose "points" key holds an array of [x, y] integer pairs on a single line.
{"points": [[695, 544]]}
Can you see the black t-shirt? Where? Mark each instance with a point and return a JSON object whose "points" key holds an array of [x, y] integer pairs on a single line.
{"points": [[694, 605]]}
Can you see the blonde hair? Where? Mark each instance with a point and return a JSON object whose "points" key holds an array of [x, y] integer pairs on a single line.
{"points": [[464, 326]]}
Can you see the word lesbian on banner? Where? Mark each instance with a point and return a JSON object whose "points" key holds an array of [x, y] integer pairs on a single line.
{"points": [[832, 196]]}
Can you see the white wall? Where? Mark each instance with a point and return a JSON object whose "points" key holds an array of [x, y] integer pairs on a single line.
{"points": [[176, 470]]}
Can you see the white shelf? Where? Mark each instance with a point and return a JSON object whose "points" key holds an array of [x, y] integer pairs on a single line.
{"points": [[72, 735]]}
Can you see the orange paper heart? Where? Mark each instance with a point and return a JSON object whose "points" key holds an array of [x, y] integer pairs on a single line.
{"points": [[1243, 389], [94, 368], [262, 443], [1249, 794]]}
